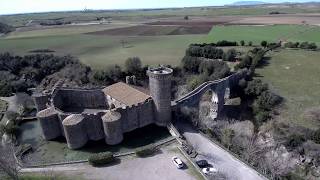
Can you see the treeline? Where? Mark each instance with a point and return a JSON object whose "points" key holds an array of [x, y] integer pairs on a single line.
{"points": [[5, 28], [19, 73], [53, 22], [303, 45], [22, 72]]}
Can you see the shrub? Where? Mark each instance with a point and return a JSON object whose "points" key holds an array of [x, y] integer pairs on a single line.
{"points": [[316, 136], [242, 43], [267, 100], [227, 43], [230, 55], [250, 43], [101, 159], [255, 88], [145, 151], [191, 64], [260, 117], [133, 65], [294, 141], [264, 43]]}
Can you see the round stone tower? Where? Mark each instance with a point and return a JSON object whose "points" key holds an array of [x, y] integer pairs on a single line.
{"points": [[160, 91], [112, 127]]}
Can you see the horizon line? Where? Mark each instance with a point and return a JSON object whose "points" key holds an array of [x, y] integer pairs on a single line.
{"points": [[160, 8]]}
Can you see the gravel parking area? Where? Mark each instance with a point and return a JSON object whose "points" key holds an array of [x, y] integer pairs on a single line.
{"points": [[157, 167]]}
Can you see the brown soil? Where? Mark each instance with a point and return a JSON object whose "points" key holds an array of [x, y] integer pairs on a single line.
{"points": [[155, 30]]}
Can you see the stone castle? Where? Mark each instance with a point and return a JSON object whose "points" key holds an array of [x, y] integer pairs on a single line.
{"points": [[81, 115]]}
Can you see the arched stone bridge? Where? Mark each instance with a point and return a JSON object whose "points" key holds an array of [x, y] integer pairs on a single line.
{"points": [[220, 91]]}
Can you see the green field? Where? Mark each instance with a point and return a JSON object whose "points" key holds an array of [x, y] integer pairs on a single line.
{"points": [[271, 33], [294, 74], [101, 51]]}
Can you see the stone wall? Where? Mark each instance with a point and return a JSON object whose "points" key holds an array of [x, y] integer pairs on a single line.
{"points": [[78, 98], [136, 116]]}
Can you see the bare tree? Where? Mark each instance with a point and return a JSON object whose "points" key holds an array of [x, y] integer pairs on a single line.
{"points": [[8, 162]]}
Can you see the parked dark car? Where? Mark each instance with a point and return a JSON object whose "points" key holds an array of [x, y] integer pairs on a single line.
{"points": [[202, 163]]}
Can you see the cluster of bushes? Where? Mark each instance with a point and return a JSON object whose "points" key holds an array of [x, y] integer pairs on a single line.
{"points": [[264, 100], [5, 28], [114, 73], [42, 51], [230, 55], [54, 22], [23, 72], [252, 59], [101, 159], [203, 70], [219, 43], [303, 45], [145, 151], [207, 51]]}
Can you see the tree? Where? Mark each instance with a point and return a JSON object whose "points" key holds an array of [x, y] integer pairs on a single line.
{"points": [[5, 28], [255, 88], [242, 43], [133, 65], [186, 17], [190, 64], [226, 138], [250, 43], [230, 55], [264, 44]]}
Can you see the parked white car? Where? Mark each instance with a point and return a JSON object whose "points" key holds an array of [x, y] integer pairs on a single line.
{"points": [[209, 170], [177, 162]]}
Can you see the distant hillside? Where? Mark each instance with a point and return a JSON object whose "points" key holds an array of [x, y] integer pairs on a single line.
{"points": [[246, 3]]}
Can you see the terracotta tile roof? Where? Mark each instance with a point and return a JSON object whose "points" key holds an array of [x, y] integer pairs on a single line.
{"points": [[125, 94]]}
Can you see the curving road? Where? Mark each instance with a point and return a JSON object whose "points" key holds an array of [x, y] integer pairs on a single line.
{"points": [[227, 164]]}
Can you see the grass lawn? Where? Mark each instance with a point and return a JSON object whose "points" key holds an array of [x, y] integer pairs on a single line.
{"points": [[57, 150], [294, 74], [271, 33], [101, 51]]}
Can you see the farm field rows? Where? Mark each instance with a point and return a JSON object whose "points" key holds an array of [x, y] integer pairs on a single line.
{"points": [[294, 74], [271, 33]]}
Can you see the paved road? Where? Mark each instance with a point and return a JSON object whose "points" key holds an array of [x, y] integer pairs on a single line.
{"points": [[227, 164]]}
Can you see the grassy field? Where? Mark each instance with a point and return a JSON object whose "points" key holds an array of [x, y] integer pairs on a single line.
{"points": [[271, 33], [101, 51], [294, 74]]}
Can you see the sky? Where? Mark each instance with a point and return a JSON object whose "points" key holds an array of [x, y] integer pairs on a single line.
{"points": [[26, 6]]}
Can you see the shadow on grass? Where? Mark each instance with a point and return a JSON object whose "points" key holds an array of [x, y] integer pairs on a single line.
{"points": [[117, 161], [156, 152]]}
